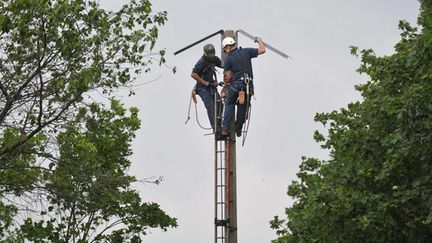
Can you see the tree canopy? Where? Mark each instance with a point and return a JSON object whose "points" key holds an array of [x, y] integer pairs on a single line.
{"points": [[377, 184], [64, 156]]}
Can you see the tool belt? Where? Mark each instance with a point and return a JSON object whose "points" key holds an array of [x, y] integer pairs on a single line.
{"points": [[246, 90]]}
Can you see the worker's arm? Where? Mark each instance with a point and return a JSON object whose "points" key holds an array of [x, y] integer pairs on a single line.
{"points": [[261, 46], [227, 76], [199, 79]]}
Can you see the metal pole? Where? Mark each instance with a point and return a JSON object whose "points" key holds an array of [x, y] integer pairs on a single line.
{"points": [[225, 153], [232, 180]]}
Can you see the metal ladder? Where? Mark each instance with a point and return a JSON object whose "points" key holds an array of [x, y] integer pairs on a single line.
{"points": [[222, 191], [222, 181], [225, 183]]}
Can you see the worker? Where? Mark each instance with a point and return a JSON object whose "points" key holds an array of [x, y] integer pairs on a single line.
{"points": [[238, 66], [204, 73]]}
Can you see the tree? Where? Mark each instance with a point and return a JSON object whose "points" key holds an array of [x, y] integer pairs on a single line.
{"points": [[53, 52], [53, 55], [376, 186], [90, 198]]}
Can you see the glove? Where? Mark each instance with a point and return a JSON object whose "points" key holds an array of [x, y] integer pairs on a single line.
{"points": [[258, 39], [214, 85]]}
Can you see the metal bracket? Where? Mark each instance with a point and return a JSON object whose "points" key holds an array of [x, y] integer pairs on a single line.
{"points": [[221, 32], [266, 44]]}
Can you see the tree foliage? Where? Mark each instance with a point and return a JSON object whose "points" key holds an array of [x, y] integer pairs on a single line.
{"points": [[90, 198], [377, 184], [58, 147]]}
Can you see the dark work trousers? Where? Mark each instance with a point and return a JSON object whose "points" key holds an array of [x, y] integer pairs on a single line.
{"points": [[207, 95], [230, 103]]}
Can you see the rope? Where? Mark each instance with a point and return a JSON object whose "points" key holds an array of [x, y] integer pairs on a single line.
{"points": [[196, 114], [248, 110], [188, 115], [246, 129], [197, 119]]}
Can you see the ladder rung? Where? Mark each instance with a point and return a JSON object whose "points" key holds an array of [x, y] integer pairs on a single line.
{"points": [[221, 185], [221, 168]]}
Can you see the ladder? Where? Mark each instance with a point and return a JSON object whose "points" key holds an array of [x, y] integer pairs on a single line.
{"points": [[225, 219], [222, 191]]}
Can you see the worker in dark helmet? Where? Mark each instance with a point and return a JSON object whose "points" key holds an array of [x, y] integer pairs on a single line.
{"points": [[204, 74], [238, 66]]}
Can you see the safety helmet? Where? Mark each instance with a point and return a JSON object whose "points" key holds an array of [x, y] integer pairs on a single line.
{"points": [[209, 50], [228, 41]]}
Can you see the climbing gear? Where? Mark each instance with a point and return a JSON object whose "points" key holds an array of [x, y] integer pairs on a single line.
{"points": [[249, 92], [228, 41], [193, 97], [209, 50]]}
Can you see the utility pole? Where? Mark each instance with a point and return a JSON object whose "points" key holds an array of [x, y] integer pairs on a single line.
{"points": [[225, 161], [231, 165]]}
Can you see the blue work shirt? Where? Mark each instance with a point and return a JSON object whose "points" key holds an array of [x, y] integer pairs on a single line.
{"points": [[239, 62], [206, 69]]}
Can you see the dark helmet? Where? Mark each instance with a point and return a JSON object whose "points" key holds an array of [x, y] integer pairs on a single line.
{"points": [[209, 50]]}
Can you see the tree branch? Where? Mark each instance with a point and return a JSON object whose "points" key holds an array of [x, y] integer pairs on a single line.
{"points": [[39, 128], [115, 223], [17, 94]]}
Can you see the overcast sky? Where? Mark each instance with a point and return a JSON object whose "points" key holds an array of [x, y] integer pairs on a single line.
{"points": [[319, 78]]}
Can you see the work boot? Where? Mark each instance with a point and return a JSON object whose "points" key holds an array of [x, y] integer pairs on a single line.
{"points": [[222, 135], [224, 132], [238, 131]]}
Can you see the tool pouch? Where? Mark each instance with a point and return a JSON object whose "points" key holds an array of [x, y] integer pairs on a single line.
{"points": [[242, 97]]}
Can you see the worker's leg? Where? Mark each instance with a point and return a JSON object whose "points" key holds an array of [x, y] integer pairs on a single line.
{"points": [[241, 117], [230, 101], [219, 109], [208, 99]]}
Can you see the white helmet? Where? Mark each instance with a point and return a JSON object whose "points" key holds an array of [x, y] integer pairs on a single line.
{"points": [[228, 41]]}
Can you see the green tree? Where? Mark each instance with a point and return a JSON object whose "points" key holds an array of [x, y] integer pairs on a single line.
{"points": [[89, 194], [53, 54], [377, 184]]}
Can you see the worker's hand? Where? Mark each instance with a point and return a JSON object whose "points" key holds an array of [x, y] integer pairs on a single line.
{"points": [[227, 77], [214, 85], [258, 39]]}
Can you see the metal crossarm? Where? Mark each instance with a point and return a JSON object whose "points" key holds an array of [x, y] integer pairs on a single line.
{"points": [[220, 32], [266, 44]]}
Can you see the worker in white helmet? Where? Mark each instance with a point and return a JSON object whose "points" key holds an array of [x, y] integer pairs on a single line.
{"points": [[238, 65]]}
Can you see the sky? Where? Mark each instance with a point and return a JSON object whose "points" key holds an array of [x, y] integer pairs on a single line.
{"points": [[320, 77]]}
